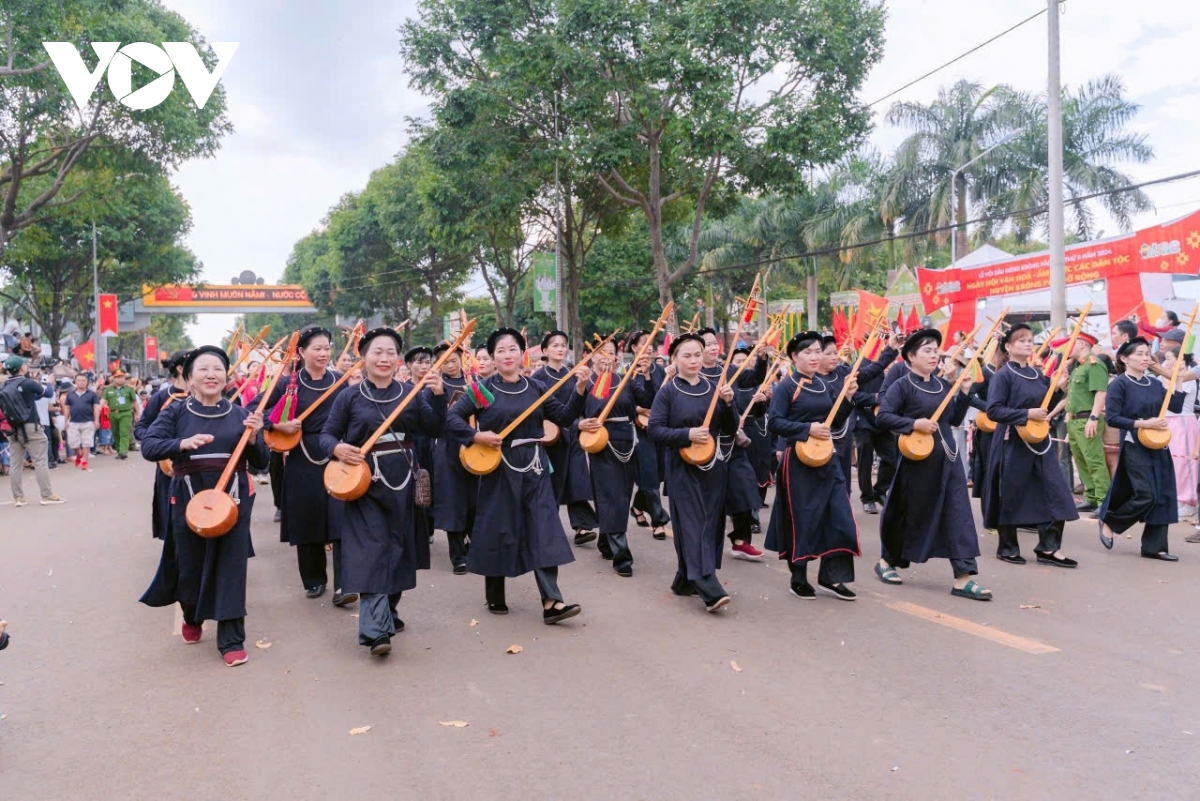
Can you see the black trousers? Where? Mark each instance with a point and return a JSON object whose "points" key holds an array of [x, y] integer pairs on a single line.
{"points": [[741, 526], [615, 546], [377, 616], [872, 444], [837, 568], [231, 634], [547, 584], [649, 502], [276, 471], [1049, 539], [459, 541], [581, 515], [707, 587], [53, 442], [311, 558]]}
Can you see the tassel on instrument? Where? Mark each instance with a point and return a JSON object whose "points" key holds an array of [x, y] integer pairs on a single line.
{"points": [[602, 386], [285, 409]]}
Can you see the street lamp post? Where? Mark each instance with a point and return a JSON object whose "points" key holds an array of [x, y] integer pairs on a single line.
{"points": [[1004, 140], [1058, 264], [100, 352]]}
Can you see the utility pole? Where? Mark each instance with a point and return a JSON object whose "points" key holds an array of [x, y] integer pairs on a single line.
{"points": [[100, 353], [1058, 264]]}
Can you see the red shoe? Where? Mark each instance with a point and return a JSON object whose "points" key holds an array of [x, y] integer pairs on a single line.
{"points": [[235, 658], [745, 550], [191, 634]]}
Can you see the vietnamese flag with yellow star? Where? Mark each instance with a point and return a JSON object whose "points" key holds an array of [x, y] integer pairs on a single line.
{"points": [[107, 316]]}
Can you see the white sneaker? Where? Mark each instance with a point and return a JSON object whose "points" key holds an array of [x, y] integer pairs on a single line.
{"points": [[20, 502], [53, 500]]}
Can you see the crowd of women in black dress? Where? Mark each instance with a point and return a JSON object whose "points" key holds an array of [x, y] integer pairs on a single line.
{"points": [[506, 523]]}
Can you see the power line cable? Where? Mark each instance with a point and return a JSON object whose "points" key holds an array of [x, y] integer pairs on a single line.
{"points": [[956, 59]]}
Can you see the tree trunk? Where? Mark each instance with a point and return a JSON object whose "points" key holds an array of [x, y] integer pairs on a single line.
{"points": [[435, 310]]}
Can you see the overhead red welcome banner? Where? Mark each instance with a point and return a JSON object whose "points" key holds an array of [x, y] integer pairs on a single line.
{"points": [[1173, 248]]}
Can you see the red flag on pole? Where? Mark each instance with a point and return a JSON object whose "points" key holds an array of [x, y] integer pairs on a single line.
{"points": [[151, 348], [106, 316], [85, 354], [914, 321], [900, 319]]}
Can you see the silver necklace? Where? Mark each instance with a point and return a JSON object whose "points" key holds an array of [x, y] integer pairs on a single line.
{"points": [[1018, 370], [362, 389], [812, 382], [525, 385], [701, 394], [228, 408], [328, 375], [1139, 383], [917, 384]]}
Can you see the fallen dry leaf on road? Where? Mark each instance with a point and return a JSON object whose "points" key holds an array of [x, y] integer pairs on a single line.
{"points": [[457, 724], [473, 623], [514, 649], [360, 730], [1031, 606], [736, 667], [496, 732], [262, 645]]}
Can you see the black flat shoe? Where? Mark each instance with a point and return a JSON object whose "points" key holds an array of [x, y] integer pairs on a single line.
{"points": [[382, 646], [804, 592], [839, 591], [756, 528], [1051, 559], [660, 533], [397, 624], [686, 591], [640, 518], [552, 616], [870, 508], [1086, 506], [1012, 560], [1105, 540], [625, 572], [344, 598], [719, 604], [498, 609], [584, 537], [460, 570], [1161, 556], [315, 592]]}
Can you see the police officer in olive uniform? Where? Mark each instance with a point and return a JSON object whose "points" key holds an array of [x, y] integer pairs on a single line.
{"points": [[122, 404], [1086, 393]]}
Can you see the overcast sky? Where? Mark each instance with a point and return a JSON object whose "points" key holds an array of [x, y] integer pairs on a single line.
{"points": [[318, 97]]}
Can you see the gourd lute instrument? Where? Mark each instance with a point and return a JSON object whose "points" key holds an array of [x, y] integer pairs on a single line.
{"points": [[211, 512], [596, 441], [1158, 438], [283, 443], [349, 482], [480, 460], [701, 453], [984, 423], [815, 452], [968, 339], [1035, 432], [918, 445]]}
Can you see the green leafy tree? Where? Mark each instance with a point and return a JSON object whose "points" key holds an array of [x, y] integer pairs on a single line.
{"points": [[140, 224], [663, 105], [45, 137]]}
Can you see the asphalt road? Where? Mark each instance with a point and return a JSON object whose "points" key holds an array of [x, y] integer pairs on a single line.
{"points": [[908, 693]]}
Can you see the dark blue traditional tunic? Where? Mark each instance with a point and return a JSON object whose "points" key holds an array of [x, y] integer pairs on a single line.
{"points": [[454, 488], [927, 514], [570, 477], [517, 528], [811, 517], [1143, 487], [981, 447], [760, 451], [384, 538], [1025, 483], [650, 453], [843, 440], [208, 573], [613, 470], [697, 494], [310, 515], [741, 490], [160, 504]]}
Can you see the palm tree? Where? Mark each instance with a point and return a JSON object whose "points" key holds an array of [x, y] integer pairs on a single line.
{"points": [[1095, 140], [961, 124]]}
